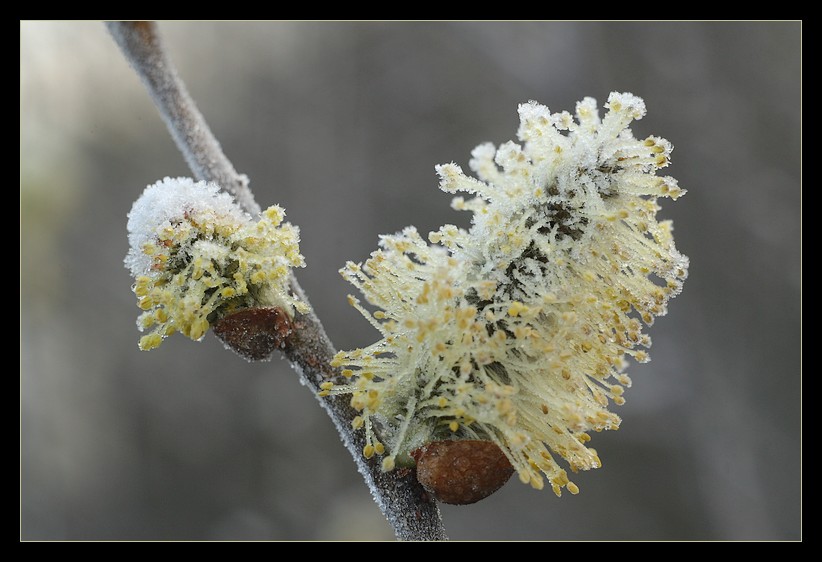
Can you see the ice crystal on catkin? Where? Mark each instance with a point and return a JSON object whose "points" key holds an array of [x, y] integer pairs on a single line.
{"points": [[196, 256], [517, 330]]}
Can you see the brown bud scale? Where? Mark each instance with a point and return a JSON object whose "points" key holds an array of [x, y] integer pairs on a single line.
{"points": [[461, 472], [254, 333]]}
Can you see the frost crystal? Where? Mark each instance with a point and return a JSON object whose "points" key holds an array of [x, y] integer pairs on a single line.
{"points": [[516, 331], [196, 256]]}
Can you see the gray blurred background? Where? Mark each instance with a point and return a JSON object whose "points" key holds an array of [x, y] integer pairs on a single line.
{"points": [[342, 123]]}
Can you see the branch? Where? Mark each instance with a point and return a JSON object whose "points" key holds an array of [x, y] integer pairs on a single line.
{"points": [[412, 514], [141, 45]]}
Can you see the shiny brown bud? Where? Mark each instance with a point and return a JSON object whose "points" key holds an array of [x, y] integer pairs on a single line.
{"points": [[461, 472], [254, 333]]}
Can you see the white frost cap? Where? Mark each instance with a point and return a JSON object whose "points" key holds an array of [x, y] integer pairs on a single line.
{"points": [[168, 201]]}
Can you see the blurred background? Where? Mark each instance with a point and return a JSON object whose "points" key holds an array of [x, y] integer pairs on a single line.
{"points": [[342, 124]]}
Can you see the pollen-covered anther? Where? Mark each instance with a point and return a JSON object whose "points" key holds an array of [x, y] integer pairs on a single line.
{"points": [[516, 308], [388, 464]]}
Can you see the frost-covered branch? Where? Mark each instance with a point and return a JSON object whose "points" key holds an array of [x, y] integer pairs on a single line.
{"points": [[411, 512], [141, 45]]}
